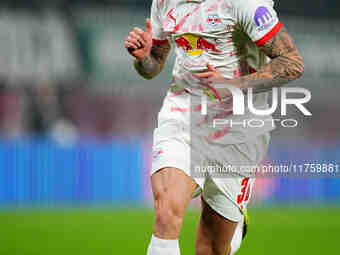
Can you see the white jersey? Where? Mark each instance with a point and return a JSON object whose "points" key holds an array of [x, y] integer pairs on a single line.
{"points": [[223, 33]]}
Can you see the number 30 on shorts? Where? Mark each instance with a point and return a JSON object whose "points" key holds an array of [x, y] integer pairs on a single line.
{"points": [[243, 197]]}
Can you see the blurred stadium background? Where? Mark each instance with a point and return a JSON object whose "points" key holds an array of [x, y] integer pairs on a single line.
{"points": [[76, 127]]}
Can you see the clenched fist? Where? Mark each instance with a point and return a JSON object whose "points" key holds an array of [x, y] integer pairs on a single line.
{"points": [[139, 43]]}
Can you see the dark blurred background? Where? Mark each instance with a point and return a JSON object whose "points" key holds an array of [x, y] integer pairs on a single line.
{"points": [[76, 120]]}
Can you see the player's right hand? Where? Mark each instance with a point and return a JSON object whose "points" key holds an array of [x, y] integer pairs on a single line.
{"points": [[139, 43]]}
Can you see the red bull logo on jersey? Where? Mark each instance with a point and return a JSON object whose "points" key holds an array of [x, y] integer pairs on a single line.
{"points": [[194, 45]]}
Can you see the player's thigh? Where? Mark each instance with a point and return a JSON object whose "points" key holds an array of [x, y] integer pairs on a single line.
{"points": [[172, 190], [173, 185], [214, 233]]}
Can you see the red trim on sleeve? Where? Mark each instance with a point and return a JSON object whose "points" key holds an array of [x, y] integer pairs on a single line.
{"points": [[270, 34], [159, 42]]}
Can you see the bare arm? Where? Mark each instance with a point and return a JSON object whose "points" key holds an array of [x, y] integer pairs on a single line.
{"points": [[286, 65], [152, 65]]}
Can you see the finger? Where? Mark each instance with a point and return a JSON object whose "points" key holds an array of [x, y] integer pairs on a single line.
{"points": [[148, 26], [135, 45], [211, 68], [140, 33], [130, 45], [136, 37], [204, 75], [134, 41]]}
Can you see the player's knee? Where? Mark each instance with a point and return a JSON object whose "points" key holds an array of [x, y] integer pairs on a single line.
{"points": [[166, 218], [168, 215]]}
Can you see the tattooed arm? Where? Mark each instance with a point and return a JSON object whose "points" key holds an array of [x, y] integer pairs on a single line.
{"points": [[286, 65], [152, 65], [149, 58]]}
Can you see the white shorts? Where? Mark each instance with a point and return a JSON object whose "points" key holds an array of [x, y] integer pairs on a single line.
{"points": [[173, 146]]}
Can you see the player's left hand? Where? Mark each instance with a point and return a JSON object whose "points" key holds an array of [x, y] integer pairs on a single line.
{"points": [[210, 78], [211, 73]]}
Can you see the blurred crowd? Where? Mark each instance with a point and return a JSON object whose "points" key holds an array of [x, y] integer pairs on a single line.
{"points": [[66, 74], [72, 109], [46, 87]]}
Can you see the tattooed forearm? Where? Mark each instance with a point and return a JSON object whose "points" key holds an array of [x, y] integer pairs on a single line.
{"points": [[148, 67], [152, 65], [286, 65]]}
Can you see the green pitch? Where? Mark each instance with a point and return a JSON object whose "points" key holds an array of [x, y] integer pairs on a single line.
{"points": [[115, 232]]}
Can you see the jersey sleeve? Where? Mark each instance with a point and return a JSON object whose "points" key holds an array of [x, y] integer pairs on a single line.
{"points": [[258, 18], [158, 35]]}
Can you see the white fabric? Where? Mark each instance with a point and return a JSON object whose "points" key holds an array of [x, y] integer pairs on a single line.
{"points": [[237, 238], [176, 146], [221, 33], [207, 27], [159, 246]]}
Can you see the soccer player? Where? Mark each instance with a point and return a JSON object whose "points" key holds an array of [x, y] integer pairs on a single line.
{"points": [[237, 42]]}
